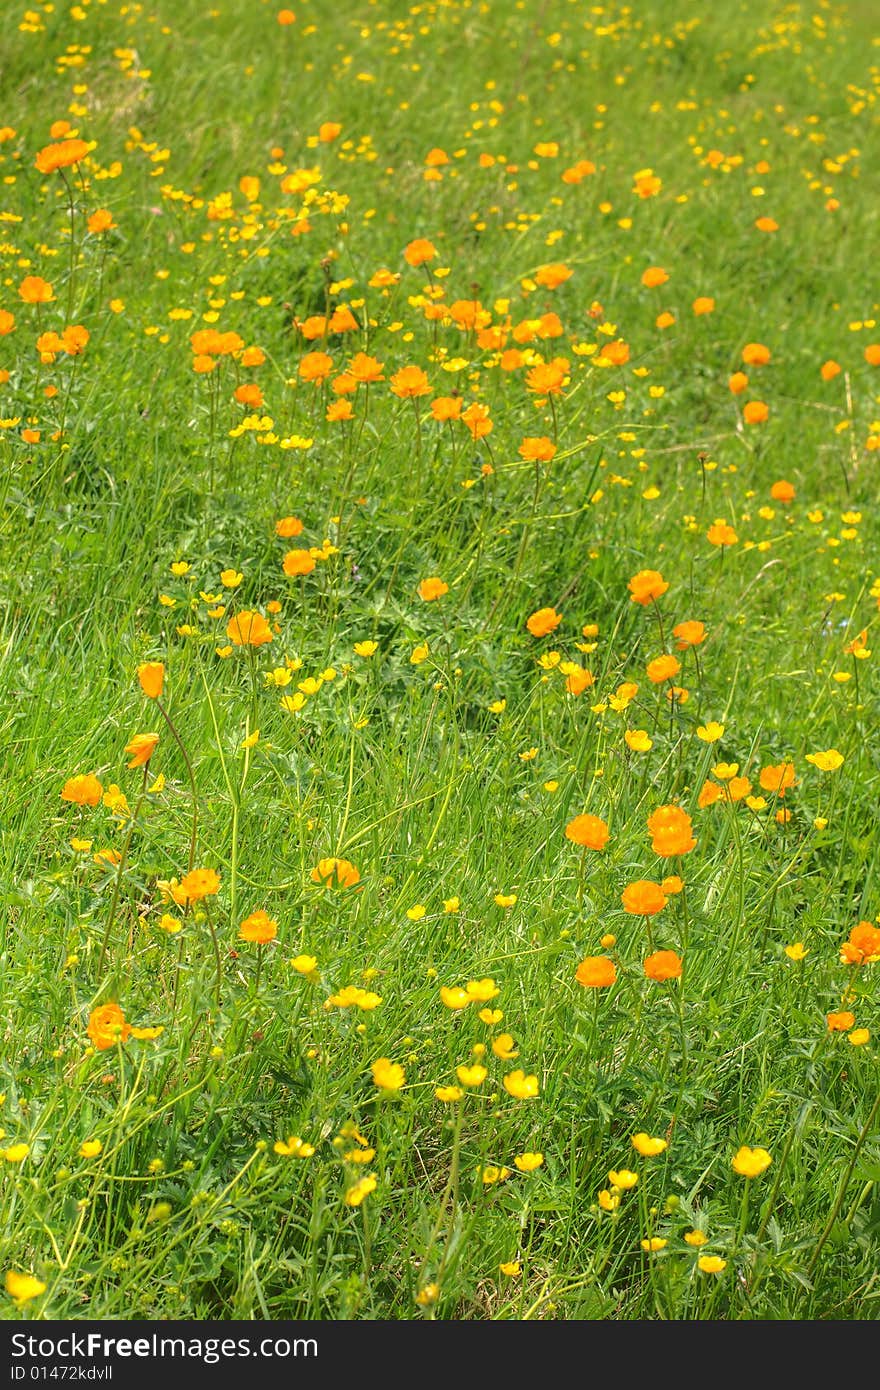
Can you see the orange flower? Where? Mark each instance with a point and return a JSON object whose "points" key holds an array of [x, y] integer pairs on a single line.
{"points": [[298, 562], [782, 491], [863, 945], [288, 527], [82, 790], [551, 276], [409, 382], [447, 407], [616, 353], [328, 131], [721, 533], [663, 965], [35, 290], [431, 589], [755, 355], [315, 366], [646, 586], [710, 793], [100, 221], [476, 417], [468, 313], [335, 873], [662, 668], [7, 322], [671, 831], [646, 183], [840, 1022], [141, 749], [766, 224], [419, 251], [198, 884], [737, 383], [286, 17], [689, 634], [258, 927], [538, 449], [703, 304], [546, 379], [596, 972], [655, 275], [61, 155], [365, 369], [249, 394], [151, 675], [339, 410], [777, 778], [643, 898], [830, 369], [544, 621], [589, 831], [74, 339], [107, 1027], [755, 412], [248, 629]]}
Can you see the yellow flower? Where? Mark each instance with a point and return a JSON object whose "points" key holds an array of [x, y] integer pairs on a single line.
{"points": [[428, 1295], [230, 579], [482, 990], [16, 1153], [471, 1076], [711, 1264], [449, 1094], [647, 1146], [419, 654], [511, 1268], [858, 1037], [505, 899], [622, 1178], [23, 1287], [252, 740], [654, 1244], [528, 1162], [609, 1201], [366, 648], [90, 1148], [796, 951], [520, 1086], [492, 1174], [355, 1195], [293, 1148], [454, 997], [829, 761], [304, 965], [695, 1238], [638, 740], [353, 996], [417, 912], [451, 904], [503, 1046], [498, 706], [711, 732], [387, 1075], [750, 1163]]}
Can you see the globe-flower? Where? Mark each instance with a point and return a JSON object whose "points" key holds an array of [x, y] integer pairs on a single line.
{"points": [[596, 972], [248, 629], [259, 927], [671, 831], [431, 589], [663, 965], [335, 873], [107, 1027], [543, 621], [198, 884], [141, 748], [589, 831], [151, 677], [82, 790], [646, 586], [643, 898]]}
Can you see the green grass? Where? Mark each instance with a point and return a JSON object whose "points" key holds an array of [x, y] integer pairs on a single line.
{"points": [[414, 770]]}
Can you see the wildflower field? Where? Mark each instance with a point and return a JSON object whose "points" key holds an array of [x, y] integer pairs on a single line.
{"points": [[439, 449]]}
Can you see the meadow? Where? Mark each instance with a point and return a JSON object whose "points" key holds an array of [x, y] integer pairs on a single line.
{"points": [[438, 866]]}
